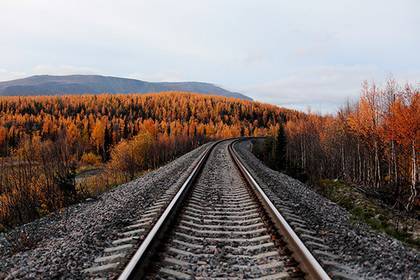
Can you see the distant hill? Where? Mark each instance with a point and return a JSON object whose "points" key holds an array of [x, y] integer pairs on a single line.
{"points": [[80, 84]]}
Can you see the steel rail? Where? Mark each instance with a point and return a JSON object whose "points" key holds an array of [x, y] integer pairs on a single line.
{"points": [[136, 268], [309, 265]]}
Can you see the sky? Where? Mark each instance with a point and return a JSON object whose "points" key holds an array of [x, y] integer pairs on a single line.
{"points": [[296, 54]]}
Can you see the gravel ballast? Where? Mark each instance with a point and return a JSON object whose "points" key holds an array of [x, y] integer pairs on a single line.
{"points": [[369, 254], [221, 231], [63, 244]]}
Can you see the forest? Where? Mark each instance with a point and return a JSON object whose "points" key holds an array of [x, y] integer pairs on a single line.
{"points": [[373, 143], [47, 141]]}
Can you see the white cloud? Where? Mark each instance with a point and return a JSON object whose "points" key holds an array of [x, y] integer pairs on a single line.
{"points": [[280, 51], [158, 77], [62, 70], [323, 88], [6, 75]]}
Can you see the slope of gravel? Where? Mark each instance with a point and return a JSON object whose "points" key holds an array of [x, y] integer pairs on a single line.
{"points": [[373, 255], [62, 244]]}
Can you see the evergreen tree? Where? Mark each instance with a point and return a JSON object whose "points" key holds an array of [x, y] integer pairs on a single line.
{"points": [[280, 149]]}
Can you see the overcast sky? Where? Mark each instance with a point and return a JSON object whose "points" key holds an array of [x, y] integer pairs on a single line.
{"points": [[296, 54]]}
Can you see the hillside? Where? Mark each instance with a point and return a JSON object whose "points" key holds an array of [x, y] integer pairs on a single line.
{"points": [[81, 84]]}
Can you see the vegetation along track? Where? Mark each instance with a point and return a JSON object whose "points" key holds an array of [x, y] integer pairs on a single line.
{"points": [[220, 224]]}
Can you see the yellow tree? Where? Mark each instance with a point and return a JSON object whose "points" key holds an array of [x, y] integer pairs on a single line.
{"points": [[3, 139], [98, 137], [132, 156], [405, 121]]}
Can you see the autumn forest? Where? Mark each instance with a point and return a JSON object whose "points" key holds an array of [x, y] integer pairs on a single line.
{"points": [[373, 143], [47, 143]]}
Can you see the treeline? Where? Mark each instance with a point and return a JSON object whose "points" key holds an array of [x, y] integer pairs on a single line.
{"points": [[44, 140], [373, 143], [96, 122]]}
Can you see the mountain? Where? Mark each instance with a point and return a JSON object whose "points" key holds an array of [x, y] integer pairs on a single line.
{"points": [[80, 84]]}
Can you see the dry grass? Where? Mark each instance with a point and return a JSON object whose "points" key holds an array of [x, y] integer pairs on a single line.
{"points": [[372, 211], [95, 184]]}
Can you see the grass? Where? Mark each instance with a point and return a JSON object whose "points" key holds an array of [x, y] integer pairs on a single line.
{"points": [[363, 209], [96, 183], [91, 181], [85, 168]]}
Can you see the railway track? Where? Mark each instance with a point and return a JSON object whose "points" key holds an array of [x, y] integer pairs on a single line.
{"points": [[220, 224]]}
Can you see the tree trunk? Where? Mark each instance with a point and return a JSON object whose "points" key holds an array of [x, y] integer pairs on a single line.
{"points": [[359, 162], [377, 167], [413, 177], [394, 162], [343, 171]]}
